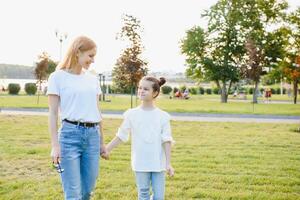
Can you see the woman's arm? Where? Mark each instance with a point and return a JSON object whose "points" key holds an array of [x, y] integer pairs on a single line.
{"points": [[102, 146], [53, 102]]}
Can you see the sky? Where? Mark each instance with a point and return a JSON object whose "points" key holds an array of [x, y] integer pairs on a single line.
{"points": [[28, 29]]}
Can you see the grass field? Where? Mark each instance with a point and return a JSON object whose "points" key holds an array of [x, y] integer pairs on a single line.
{"points": [[212, 161], [197, 104]]}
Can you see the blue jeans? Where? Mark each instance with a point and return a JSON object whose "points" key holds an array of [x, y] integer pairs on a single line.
{"points": [[80, 153], [143, 182]]}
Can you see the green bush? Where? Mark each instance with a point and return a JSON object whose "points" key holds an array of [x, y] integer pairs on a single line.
{"points": [[262, 90], [250, 90], [14, 88], [244, 90], [278, 91], [175, 89], [201, 90], [193, 90], [208, 91], [166, 89], [30, 88], [182, 88], [216, 90], [273, 91]]}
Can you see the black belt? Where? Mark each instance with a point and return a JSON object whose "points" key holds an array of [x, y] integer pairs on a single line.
{"points": [[85, 124]]}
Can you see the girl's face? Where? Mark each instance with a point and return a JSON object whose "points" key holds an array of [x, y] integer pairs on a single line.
{"points": [[145, 91], [85, 58]]}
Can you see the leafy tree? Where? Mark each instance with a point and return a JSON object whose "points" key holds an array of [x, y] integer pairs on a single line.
{"points": [[260, 45], [213, 55], [218, 53], [254, 68], [51, 66], [130, 67], [290, 65], [40, 71]]}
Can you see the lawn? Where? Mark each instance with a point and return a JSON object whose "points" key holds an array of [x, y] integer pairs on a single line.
{"points": [[197, 104], [212, 161]]}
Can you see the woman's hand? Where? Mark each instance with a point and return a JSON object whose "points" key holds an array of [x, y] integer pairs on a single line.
{"points": [[170, 170], [55, 154]]}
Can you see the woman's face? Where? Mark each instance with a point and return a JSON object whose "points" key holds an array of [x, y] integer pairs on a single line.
{"points": [[85, 58]]}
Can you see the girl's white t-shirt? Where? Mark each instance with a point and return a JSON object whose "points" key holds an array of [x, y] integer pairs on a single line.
{"points": [[149, 130], [78, 95]]}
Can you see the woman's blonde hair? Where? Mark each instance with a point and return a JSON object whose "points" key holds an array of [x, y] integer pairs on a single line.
{"points": [[80, 44]]}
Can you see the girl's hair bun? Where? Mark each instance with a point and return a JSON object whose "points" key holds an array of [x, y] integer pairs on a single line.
{"points": [[162, 81]]}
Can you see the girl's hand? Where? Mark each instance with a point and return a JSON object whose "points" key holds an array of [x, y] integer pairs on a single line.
{"points": [[55, 154], [170, 170]]}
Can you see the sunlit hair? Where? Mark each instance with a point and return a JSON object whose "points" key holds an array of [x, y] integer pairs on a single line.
{"points": [[156, 84], [80, 44]]}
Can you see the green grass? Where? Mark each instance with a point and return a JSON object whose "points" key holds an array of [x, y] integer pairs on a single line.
{"points": [[197, 104], [212, 161]]}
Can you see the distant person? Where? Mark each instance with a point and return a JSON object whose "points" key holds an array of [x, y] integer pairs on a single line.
{"points": [[186, 94], [150, 131], [178, 94], [268, 94], [289, 92], [77, 145], [235, 93]]}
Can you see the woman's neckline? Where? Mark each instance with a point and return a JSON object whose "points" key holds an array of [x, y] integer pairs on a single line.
{"points": [[67, 72]]}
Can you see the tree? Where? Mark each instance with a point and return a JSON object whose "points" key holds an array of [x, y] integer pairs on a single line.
{"points": [[291, 63], [213, 55], [254, 68], [275, 51], [40, 71], [263, 46], [218, 53], [130, 67], [51, 66], [291, 69]]}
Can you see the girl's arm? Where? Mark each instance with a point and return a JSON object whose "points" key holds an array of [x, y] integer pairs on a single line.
{"points": [[169, 168], [53, 102], [121, 136], [114, 143]]}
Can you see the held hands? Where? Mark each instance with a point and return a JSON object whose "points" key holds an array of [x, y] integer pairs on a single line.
{"points": [[104, 152], [170, 170]]}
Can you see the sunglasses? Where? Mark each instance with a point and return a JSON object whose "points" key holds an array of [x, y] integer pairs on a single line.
{"points": [[58, 167]]}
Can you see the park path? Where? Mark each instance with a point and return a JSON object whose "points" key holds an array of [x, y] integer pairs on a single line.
{"points": [[202, 117]]}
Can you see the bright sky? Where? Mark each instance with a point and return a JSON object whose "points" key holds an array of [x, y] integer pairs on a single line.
{"points": [[28, 28]]}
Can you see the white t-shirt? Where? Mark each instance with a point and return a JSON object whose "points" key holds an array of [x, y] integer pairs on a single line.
{"points": [[149, 130], [78, 95]]}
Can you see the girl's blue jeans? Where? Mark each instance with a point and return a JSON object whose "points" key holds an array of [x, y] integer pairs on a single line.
{"points": [[146, 179]]}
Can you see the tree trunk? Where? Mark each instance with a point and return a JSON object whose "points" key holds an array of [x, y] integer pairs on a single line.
{"points": [[255, 92], [295, 91], [224, 94], [131, 94], [136, 96], [39, 90]]}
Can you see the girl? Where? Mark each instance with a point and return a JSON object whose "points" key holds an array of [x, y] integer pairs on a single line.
{"points": [[76, 147], [151, 140]]}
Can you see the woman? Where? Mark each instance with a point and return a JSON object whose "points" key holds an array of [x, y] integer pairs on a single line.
{"points": [[77, 144]]}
